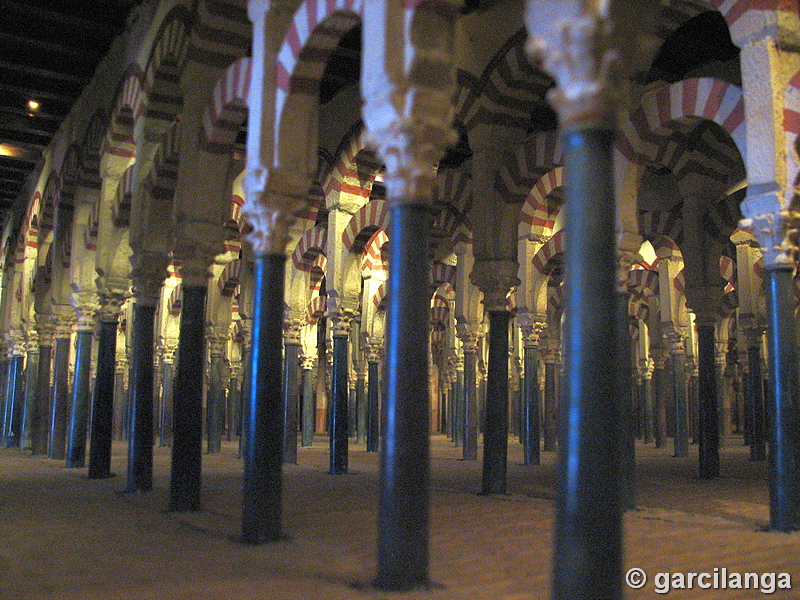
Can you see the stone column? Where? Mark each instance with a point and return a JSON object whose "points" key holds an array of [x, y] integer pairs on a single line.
{"points": [[340, 323], [120, 399], [708, 427], [291, 390], [578, 48], [361, 402], [647, 400], [40, 419], [215, 393], [148, 274], [60, 390], [15, 390], [467, 413], [167, 417], [112, 295], [309, 401], [661, 389], [85, 306], [550, 349], [531, 404], [373, 413], [31, 378], [754, 391], [680, 414]]}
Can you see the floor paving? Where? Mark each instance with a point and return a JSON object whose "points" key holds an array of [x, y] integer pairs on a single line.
{"points": [[65, 537]]}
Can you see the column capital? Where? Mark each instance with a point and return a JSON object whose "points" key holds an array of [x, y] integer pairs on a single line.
{"points": [[341, 319], [62, 319], [217, 338], [44, 329], [374, 351], [84, 305], [149, 270], [587, 47], [167, 348], [291, 330], [495, 278], [531, 327], [776, 234], [307, 361], [112, 291], [15, 342], [273, 197], [31, 339]]}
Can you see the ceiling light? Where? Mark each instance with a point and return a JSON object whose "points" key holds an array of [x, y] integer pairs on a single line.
{"points": [[33, 105]]}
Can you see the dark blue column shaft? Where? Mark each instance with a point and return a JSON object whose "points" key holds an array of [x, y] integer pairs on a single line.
{"points": [[627, 435], [309, 409], [784, 483], [755, 401], [661, 388], [463, 396], [588, 540], [339, 406], [79, 406], [263, 457], [41, 414], [215, 405], [647, 399], [403, 520], [31, 378], [6, 407], [530, 409], [16, 380], [361, 408], [468, 427], [103, 405], [187, 409], [291, 395], [707, 410], [372, 406], [59, 400], [167, 401], [495, 435], [247, 359], [140, 437], [119, 404], [550, 406], [680, 416]]}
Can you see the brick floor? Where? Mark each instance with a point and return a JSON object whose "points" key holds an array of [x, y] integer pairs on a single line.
{"points": [[64, 537]]}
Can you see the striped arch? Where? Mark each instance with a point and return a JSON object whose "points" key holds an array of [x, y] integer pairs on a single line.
{"points": [[52, 191], [657, 223], [536, 218], [463, 233], [552, 248], [379, 297], [440, 312], [643, 282], [312, 244], [227, 108], [315, 310], [442, 273], [316, 28], [92, 227], [229, 278], [355, 167], [539, 154], [372, 215], [374, 257], [91, 147], [555, 300], [791, 125], [649, 126], [119, 139], [69, 173], [454, 187], [675, 13], [723, 217], [733, 10], [728, 303], [468, 88], [163, 99], [121, 209], [510, 87], [679, 283], [317, 272], [727, 269], [32, 221], [164, 175]]}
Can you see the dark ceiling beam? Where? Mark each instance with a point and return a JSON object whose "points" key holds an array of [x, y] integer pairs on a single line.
{"points": [[12, 39], [30, 69], [64, 19], [27, 92]]}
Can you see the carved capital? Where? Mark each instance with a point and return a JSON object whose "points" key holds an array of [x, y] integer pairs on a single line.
{"points": [[531, 327], [374, 351], [777, 235], [113, 292], [45, 329], [15, 342], [273, 199], [149, 270], [495, 278], [62, 320], [84, 305], [291, 330], [216, 342]]}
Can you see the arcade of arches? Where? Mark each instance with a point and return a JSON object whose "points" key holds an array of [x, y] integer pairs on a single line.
{"points": [[268, 220]]}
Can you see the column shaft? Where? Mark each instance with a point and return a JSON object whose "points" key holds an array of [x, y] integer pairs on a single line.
{"points": [[187, 411], [59, 399], [550, 406], [103, 405], [167, 400], [468, 427], [403, 529], [495, 436], [647, 399], [708, 418], [140, 436], [263, 456], [40, 419], [588, 541], [680, 416], [339, 407], [309, 408], [361, 409], [31, 378], [784, 482], [16, 380], [79, 406], [291, 395], [530, 408], [215, 405], [372, 407], [627, 434], [755, 403]]}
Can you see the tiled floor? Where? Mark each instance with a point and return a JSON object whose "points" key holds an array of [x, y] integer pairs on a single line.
{"points": [[63, 536]]}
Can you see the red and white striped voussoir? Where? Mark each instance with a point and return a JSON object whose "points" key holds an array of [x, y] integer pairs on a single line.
{"points": [[313, 242], [372, 214]]}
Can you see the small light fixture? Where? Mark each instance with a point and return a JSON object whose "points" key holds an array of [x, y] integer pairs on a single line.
{"points": [[33, 106]]}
